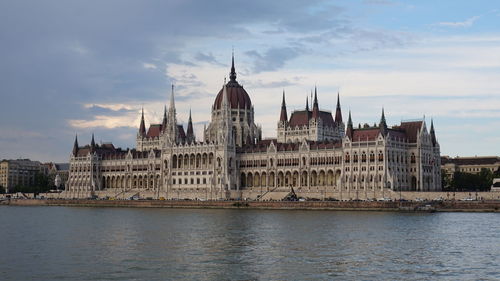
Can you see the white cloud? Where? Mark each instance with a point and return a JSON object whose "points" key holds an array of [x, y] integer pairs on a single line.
{"points": [[466, 23], [445, 78], [149, 66], [108, 122], [113, 107]]}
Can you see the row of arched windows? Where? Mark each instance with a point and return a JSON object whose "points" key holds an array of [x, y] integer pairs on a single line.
{"points": [[192, 161]]}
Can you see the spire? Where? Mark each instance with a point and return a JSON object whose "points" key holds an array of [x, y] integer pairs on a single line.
{"points": [[171, 128], [307, 103], [433, 134], [226, 127], [172, 99], [283, 114], [383, 123], [350, 128], [232, 74], [164, 121], [142, 126], [189, 133], [315, 95], [315, 114], [338, 111], [92, 144], [75, 146], [224, 97]]}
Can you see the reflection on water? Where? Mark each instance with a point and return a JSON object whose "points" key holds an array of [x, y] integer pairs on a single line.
{"points": [[58, 243]]}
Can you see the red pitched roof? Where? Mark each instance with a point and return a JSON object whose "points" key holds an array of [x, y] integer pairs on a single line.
{"points": [[327, 118], [301, 118], [365, 134], [154, 131], [411, 129]]}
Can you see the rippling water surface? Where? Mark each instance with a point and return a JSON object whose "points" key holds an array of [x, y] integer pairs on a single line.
{"points": [[59, 243]]}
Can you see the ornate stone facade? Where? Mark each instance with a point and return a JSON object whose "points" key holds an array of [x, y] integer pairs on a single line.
{"points": [[313, 153]]}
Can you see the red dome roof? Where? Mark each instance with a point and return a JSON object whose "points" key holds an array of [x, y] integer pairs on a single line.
{"points": [[237, 97]]}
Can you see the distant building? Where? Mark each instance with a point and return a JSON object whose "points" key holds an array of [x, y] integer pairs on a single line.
{"points": [[58, 174], [313, 152], [471, 165], [20, 172], [496, 185]]}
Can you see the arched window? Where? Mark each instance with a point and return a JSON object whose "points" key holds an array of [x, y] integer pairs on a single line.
{"points": [[347, 158]]}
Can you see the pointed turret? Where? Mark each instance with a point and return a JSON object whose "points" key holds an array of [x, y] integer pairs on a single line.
{"points": [[75, 146], [189, 133], [172, 99], [171, 128], [315, 113], [142, 126], [164, 121], [350, 128], [283, 114], [338, 111], [383, 123], [433, 134], [92, 144], [226, 130], [232, 74], [307, 103]]}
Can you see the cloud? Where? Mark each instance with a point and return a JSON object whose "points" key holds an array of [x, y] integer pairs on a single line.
{"points": [[466, 23], [107, 122], [149, 66], [272, 84], [208, 58], [55, 60], [273, 58]]}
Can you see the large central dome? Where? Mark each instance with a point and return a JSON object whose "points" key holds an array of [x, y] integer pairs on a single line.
{"points": [[238, 97]]}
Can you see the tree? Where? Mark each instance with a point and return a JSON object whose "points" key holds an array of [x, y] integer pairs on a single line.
{"points": [[41, 183], [446, 181], [472, 182]]}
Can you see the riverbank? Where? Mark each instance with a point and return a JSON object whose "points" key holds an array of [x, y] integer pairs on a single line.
{"points": [[445, 206]]}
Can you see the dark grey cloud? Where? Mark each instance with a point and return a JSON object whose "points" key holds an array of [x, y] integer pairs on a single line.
{"points": [[272, 59], [57, 55], [207, 57], [100, 110]]}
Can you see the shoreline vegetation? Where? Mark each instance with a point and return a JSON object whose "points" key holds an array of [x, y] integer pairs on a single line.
{"points": [[429, 206]]}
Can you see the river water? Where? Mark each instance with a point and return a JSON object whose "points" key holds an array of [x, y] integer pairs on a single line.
{"points": [[70, 243]]}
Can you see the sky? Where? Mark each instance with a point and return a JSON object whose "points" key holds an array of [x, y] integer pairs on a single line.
{"points": [[83, 67]]}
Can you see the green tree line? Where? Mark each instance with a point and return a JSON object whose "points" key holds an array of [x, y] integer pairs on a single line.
{"points": [[462, 181]]}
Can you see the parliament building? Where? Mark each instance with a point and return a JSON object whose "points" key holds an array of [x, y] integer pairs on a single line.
{"points": [[314, 153]]}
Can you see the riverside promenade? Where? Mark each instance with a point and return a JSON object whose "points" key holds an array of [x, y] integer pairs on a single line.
{"points": [[442, 206]]}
